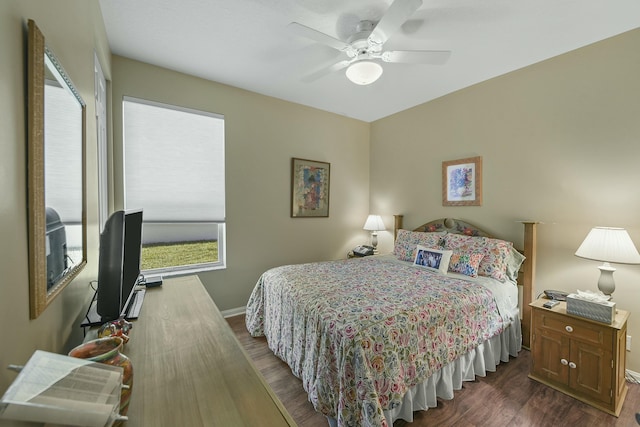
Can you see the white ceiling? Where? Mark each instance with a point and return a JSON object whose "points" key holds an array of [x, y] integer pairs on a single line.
{"points": [[246, 43]]}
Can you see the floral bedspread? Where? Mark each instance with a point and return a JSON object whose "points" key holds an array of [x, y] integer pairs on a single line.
{"points": [[359, 333]]}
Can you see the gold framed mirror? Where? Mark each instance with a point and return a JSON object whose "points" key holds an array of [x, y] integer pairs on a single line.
{"points": [[56, 127]]}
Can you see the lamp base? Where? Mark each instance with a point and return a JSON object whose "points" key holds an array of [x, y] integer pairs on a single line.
{"points": [[374, 241], [606, 283]]}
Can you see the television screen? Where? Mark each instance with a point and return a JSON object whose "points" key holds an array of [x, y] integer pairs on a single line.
{"points": [[119, 262], [132, 254], [56, 239]]}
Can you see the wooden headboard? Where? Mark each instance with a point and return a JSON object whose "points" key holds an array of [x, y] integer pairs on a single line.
{"points": [[527, 271]]}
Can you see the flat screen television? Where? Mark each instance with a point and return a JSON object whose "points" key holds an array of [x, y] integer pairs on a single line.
{"points": [[119, 263]]}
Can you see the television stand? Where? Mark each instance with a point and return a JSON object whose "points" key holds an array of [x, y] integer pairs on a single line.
{"points": [[92, 318], [133, 309]]}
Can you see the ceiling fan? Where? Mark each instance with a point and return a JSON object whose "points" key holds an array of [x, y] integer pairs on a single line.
{"points": [[364, 48]]}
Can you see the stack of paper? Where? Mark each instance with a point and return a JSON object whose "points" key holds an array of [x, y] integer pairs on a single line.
{"points": [[53, 388]]}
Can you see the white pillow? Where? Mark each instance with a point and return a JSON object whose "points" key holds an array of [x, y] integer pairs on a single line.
{"points": [[432, 259]]}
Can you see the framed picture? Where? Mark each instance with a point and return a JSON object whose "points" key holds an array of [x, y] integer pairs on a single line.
{"points": [[309, 188], [462, 182]]}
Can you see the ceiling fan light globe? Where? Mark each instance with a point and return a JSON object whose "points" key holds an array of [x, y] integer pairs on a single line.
{"points": [[364, 72]]}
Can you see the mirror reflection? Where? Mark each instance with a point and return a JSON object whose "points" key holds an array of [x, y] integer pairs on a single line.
{"points": [[63, 174]]}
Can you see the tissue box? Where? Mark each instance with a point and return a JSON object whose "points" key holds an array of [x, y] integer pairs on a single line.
{"points": [[603, 312]]}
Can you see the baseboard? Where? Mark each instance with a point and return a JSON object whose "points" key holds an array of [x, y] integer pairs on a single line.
{"points": [[633, 375], [234, 311]]}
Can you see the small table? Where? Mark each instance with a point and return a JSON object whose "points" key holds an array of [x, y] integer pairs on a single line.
{"points": [[580, 357]]}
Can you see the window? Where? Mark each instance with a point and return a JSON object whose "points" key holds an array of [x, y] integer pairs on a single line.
{"points": [[174, 171]]}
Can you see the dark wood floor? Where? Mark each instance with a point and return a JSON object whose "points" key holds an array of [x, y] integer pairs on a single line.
{"points": [[506, 397]]}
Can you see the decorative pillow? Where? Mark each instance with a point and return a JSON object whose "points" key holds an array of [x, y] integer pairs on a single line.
{"points": [[432, 259], [406, 242], [496, 252], [514, 261], [467, 263]]}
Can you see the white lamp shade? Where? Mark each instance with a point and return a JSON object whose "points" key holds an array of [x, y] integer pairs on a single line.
{"points": [[374, 223], [609, 244], [364, 72]]}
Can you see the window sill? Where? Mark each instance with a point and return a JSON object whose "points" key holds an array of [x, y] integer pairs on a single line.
{"points": [[182, 271]]}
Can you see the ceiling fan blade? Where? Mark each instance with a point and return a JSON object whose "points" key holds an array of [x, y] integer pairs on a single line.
{"points": [[432, 57], [315, 35], [326, 70], [392, 20]]}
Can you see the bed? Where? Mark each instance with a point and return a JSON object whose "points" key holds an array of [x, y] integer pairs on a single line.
{"points": [[374, 339]]}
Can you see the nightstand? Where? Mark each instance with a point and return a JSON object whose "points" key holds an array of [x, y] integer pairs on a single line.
{"points": [[582, 358]]}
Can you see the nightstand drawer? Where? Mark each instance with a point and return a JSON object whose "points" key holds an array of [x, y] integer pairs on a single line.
{"points": [[574, 328]]}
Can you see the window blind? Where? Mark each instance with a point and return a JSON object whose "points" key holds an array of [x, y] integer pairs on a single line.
{"points": [[174, 162], [63, 149]]}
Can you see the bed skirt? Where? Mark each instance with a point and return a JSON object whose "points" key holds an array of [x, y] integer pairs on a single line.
{"points": [[484, 358]]}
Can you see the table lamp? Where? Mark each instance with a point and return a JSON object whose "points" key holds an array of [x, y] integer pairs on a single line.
{"points": [[608, 244], [374, 224]]}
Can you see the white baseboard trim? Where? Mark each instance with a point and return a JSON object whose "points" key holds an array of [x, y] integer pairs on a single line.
{"points": [[236, 311], [634, 375]]}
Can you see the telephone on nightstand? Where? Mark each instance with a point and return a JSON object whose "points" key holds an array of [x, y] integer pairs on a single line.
{"points": [[363, 250], [556, 295]]}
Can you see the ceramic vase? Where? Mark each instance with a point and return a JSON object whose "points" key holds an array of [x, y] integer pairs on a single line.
{"points": [[109, 351]]}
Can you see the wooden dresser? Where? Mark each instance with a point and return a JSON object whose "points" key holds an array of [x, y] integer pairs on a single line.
{"points": [[580, 357], [189, 369]]}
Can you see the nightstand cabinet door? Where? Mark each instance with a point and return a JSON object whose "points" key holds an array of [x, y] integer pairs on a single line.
{"points": [[549, 356], [593, 373]]}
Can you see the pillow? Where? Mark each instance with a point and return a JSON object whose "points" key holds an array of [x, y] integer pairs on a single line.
{"points": [[514, 261], [432, 259], [467, 263], [406, 242], [496, 252]]}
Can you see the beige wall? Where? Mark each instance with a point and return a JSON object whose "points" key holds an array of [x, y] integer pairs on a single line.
{"points": [[262, 135], [73, 29], [560, 143]]}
